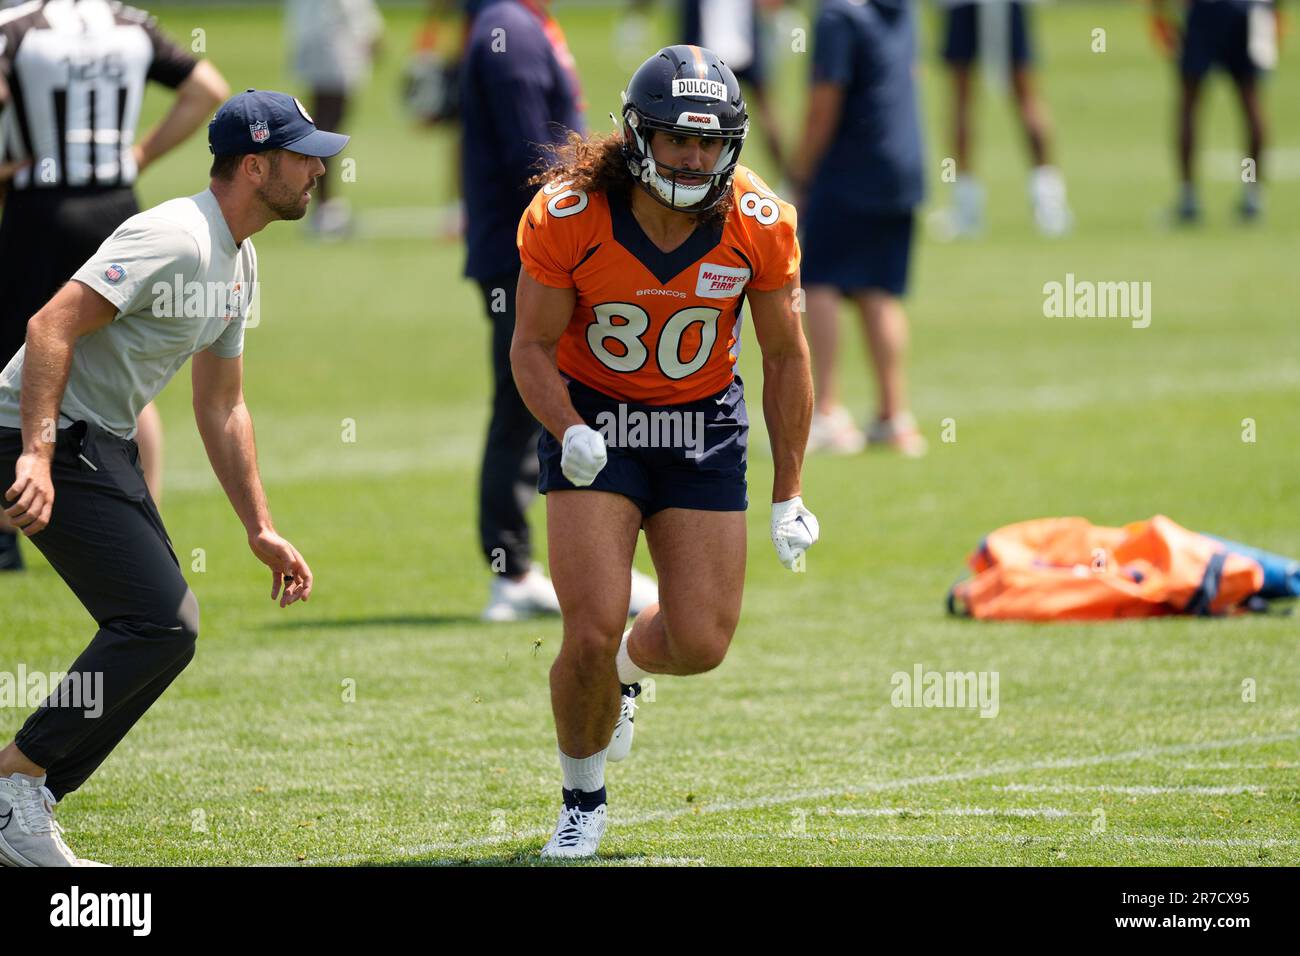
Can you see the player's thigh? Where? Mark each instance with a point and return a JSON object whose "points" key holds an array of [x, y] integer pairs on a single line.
{"points": [[591, 537], [113, 552], [699, 557]]}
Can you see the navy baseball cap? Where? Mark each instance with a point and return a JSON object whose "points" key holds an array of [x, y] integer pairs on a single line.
{"points": [[258, 120]]}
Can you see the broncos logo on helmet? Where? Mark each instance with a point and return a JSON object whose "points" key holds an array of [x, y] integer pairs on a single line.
{"points": [[686, 91]]}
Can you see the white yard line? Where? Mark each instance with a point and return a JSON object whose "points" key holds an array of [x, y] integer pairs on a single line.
{"points": [[799, 796], [1064, 840], [1050, 813], [1129, 791], [1279, 765]]}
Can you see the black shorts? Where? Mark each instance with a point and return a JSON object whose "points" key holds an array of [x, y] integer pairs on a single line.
{"points": [[857, 252], [662, 456], [961, 34], [1218, 34], [45, 236]]}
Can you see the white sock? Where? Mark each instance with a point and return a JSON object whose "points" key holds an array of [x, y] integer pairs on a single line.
{"points": [[583, 773], [628, 672]]}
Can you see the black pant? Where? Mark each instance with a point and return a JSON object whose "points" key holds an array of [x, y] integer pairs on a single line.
{"points": [[45, 236], [107, 541], [508, 480]]}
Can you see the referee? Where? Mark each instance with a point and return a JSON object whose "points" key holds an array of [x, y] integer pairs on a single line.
{"points": [[72, 78], [101, 349]]}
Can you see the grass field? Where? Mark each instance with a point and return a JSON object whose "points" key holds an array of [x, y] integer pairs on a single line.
{"points": [[1120, 743]]}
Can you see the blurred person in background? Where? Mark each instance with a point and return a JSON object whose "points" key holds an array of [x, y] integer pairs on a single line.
{"points": [[334, 44], [431, 93], [734, 30], [1240, 37], [519, 92], [999, 30], [859, 176], [72, 78]]}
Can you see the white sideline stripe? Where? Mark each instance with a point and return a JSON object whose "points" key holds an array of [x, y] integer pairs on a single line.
{"points": [[1046, 812], [284, 464], [958, 838], [1280, 765], [1133, 791], [332, 464], [1280, 164], [776, 800]]}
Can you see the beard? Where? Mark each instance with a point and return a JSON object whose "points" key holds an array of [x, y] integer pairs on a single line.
{"points": [[283, 199]]}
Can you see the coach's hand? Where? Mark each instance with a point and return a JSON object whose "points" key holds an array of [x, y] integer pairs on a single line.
{"points": [[583, 456], [794, 530], [32, 494], [288, 569]]}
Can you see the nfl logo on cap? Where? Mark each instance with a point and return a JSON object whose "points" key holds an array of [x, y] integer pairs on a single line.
{"points": [[260, 131]]}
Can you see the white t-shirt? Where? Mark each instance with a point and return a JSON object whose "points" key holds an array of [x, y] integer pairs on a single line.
{"points": [[180, 285]]}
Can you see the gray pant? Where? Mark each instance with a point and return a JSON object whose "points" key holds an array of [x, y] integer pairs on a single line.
{"points": [[107, 541]]}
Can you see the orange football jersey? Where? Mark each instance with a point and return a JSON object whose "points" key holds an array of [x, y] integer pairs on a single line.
{"points": [[654, 327]]}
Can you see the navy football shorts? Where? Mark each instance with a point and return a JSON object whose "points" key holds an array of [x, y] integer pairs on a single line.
{"points": [[857, 252], [1218, 34], [961, 33], [662, 456]]}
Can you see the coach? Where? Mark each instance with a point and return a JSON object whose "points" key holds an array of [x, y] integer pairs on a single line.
{"points": [[519, 91], [102, 348]]}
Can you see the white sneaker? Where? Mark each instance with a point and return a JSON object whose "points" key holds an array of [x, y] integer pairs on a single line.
{"points": [[577, 834], [518, 600], [968, 207], [645, 591], [899, 433], [834, 433], [29, 835], [620, 745], [1047, 194], [331, 220]]}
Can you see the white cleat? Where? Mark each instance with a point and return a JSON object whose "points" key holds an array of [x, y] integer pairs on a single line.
{"points": [[531, 595], [577, 835], [620, 745], [29, 835], [833, 432], [645, 591]]}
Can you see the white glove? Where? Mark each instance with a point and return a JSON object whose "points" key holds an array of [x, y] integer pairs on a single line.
{"points": [[794, 530], [583, 455]]}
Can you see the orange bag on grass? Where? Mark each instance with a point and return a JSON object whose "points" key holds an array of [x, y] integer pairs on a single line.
{"points": [[1060, 569]]}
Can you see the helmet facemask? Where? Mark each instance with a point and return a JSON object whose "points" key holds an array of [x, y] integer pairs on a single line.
{"points": [[667, 190]]}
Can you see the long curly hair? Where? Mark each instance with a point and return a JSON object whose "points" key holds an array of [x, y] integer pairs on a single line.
{"points": [[597, 164]]}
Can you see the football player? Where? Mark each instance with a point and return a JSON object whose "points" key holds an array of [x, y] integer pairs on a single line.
{"points": [[1000, 30], [1240, 37], [637, 257]]}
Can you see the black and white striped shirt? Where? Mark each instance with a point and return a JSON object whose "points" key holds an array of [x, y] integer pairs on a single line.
{"points": [[72, 77]]}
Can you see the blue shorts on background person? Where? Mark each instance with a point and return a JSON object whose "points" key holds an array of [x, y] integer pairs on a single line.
{"points": [[1218, 34], [961, 38]]}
